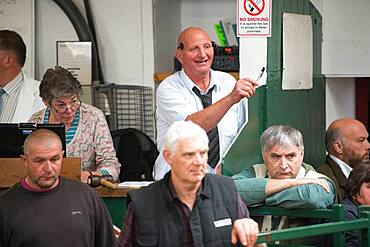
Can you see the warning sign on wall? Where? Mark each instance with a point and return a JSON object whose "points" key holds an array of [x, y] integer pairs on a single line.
{"points": [[254, 18]]}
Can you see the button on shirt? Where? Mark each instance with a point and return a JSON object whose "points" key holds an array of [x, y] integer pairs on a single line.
{"points": [[10, 98], [176, 100]]}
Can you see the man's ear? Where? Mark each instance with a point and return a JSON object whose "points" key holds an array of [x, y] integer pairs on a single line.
{"points": [[338, 147], [8, 61], [167, 156], [24, 159], [263, 156], [179, 55]]}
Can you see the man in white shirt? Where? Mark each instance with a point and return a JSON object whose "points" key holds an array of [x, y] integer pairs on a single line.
{"points": [[211, 99], [347, 145], [19, 95]]}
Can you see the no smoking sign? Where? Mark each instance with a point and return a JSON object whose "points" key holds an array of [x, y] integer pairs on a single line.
{"points": [[254, 18]]}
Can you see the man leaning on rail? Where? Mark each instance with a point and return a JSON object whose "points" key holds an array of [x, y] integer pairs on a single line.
{"points": [[283, 180]]}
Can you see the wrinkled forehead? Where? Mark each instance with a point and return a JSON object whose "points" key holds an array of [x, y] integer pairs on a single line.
{"points": [[191, 144], [281, 149], [194, 37]]}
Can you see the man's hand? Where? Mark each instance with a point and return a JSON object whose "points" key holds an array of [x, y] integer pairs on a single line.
{"points": [[245, 231], [244, 88], [86, 174]]}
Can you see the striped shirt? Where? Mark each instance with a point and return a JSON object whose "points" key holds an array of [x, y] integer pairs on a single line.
{"points": [[10, 98], [70, 133]]}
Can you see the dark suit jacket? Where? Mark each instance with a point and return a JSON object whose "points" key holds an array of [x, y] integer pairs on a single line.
{"points": [[331, 169]]}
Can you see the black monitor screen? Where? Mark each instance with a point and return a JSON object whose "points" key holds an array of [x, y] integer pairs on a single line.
{"points": [[13, 135]]}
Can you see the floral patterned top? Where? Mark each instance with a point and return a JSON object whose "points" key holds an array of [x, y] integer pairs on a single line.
{"points": [[92, 141]]}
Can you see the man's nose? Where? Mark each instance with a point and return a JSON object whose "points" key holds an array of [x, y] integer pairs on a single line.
{"points": [[367, 145], [283, 163], [202, 52], [47, 166], [198, 159]]}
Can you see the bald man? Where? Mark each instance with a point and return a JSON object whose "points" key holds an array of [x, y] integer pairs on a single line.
{"points": [[211, 99], [44, 209], [347, 146]]}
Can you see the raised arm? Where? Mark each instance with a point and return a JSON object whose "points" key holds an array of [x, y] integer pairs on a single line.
{"points": [[209, 117]]}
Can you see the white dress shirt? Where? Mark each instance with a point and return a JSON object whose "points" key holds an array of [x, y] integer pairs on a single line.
{"points": [[21, 99], [346, 169], [176, 100]]}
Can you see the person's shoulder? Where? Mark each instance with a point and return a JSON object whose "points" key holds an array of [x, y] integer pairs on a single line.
{"points": [[170, 81], [325, 168], [77, 185], [91, 110], [29, 80], [220, 180], [37, 117]]}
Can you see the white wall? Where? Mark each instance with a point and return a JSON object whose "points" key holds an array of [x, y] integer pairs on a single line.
{"points": [[125, 37], [51, 25], [340, 98], [167, 25], [346, 39], [206, 13]]}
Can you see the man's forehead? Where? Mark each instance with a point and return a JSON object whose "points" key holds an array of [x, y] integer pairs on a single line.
{"points": [[190, 144], [195, 36], [283, 149]]}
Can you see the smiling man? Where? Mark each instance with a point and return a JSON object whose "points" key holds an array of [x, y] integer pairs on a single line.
{"points": [[211, 99], [187, 207], [45, 209], [284, 180]]}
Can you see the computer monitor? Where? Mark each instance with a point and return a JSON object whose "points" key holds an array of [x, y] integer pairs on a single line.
{"points": [[13, 136]]}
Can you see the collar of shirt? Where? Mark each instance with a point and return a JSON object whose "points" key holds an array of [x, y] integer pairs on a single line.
{"points": [[14, 84], [346, 169], [174, 195], [190, 84]]}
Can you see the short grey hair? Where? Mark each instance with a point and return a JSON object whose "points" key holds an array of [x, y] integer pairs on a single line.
{"points": [[283, 135], [181, 130], [59, 82]]}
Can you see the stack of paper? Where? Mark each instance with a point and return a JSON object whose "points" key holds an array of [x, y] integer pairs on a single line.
{"points": [[134, 184]]}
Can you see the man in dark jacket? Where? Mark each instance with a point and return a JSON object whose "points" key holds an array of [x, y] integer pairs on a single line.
{"points": [[347, 145], [187, 207]]}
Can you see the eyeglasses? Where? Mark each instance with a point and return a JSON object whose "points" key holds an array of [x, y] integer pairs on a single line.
{"points": [[62, 108]]}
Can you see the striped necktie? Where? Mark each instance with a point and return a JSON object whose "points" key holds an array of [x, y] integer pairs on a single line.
{"points": [[214, 142], [2, 91]]}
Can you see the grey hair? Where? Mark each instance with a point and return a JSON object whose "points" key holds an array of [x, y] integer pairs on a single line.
{"points": [[283, 135], [58, 82], [181, 130]]}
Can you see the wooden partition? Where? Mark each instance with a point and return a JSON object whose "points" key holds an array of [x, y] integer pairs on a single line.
{"points": [[12, 170]]}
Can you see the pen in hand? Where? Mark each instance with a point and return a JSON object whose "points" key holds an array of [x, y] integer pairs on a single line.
{"points": [[261, 73], [260, 76]]}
